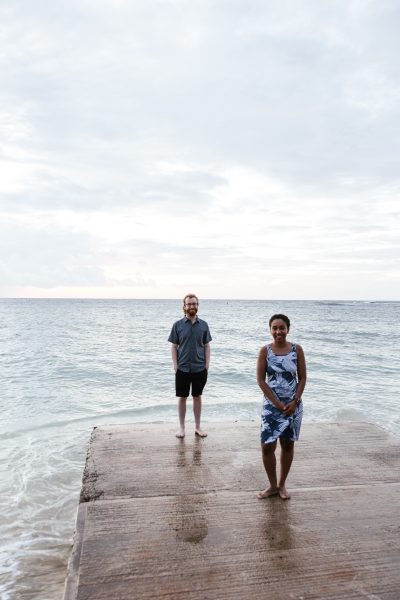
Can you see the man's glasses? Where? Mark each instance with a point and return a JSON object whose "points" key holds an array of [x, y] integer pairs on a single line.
{"points": [[191, 304]]}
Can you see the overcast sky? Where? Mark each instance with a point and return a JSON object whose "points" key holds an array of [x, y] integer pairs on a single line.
{"points": [[234, 148]]}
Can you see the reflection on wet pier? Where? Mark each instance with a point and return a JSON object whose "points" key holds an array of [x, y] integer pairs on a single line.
{"points": [[179, 519]]}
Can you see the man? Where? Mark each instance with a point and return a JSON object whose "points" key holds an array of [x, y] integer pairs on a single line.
{"points": [[190, 338]]}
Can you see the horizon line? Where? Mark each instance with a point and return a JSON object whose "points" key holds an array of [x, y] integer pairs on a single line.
{"points": [[372, 300]]}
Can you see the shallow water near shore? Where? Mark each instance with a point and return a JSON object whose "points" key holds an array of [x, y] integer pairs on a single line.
{"points": [[69, 365]]}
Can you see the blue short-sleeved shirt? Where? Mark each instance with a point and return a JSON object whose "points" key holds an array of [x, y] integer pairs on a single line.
{"points": [[190, 338]]}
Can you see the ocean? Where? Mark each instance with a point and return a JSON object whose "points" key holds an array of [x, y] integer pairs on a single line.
{"points": [[69, 365]]}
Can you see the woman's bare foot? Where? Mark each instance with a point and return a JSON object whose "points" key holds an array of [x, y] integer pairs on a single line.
{"points": [[284, 494], [267, 493], [200, 433], [180, 434]]}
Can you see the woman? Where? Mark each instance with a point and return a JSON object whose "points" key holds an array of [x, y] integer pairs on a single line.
{"points": [[285, 365]]}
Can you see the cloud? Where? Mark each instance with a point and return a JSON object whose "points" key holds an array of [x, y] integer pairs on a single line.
{"points": [[124, 83], [144, 145]]}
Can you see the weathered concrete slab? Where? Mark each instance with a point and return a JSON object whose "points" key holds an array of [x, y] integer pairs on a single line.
{"points": [[147, 460], [179, 519]]}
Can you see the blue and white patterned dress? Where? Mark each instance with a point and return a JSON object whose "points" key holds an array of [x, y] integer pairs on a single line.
{"points": [[282, 379]]}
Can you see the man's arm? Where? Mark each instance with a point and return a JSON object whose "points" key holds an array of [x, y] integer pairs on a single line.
{"points": [[174, 354], [207, 353]]}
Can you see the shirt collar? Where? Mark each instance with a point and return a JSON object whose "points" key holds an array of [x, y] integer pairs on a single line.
{"points": [[187, 319]]}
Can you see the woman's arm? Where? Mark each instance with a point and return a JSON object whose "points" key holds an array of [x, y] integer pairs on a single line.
{"points": [[301, 381], [301, 372], [261, 373]]}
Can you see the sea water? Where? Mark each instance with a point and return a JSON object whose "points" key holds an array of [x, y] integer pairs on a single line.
{"points": [[69, 365]]}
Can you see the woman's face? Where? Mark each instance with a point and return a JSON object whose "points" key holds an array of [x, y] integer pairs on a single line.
{"points": [[279, 330]]}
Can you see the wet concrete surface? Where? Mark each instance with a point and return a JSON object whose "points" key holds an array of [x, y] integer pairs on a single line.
{"points": [[167, 518]]}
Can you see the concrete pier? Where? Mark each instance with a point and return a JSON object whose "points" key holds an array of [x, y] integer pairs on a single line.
{"points": [[162, 518]]}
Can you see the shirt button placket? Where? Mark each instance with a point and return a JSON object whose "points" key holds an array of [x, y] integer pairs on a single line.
{"points": [[192, 346]]}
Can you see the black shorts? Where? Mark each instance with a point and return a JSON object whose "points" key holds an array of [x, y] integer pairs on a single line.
{"points": [[183, 381]]}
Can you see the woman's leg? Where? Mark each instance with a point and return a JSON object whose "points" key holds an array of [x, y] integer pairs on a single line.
{"points": [[287, 452], [269, 461]]}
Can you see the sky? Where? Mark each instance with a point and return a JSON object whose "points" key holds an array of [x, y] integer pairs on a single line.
{"points": [[230, 148]]}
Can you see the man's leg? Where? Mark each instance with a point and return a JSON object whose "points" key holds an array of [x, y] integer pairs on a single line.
{"points": [[198, 382], [182, 388], [269, 462], [287, 452], [181, 414], [197, 416]]}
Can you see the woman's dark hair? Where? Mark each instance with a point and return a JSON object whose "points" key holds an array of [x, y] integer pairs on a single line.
{"points": [[282, 317]]}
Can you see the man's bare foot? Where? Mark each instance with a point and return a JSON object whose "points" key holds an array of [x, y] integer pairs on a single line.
{"points": [[180, 434], [267, 493], [200, 433], [284, 494]]}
